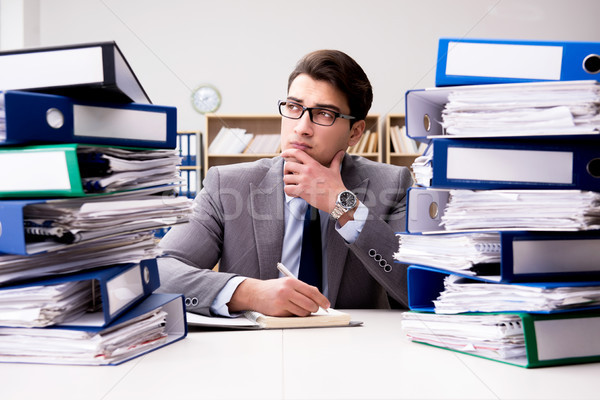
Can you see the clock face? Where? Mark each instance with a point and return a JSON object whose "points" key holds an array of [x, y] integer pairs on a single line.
{"points": [[206, 99]]}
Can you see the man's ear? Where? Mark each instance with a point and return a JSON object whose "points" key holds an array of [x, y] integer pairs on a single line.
{"points": [[356, 132]]}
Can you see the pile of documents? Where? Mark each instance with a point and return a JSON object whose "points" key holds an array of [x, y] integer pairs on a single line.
{"points": [[503, 226], [522, 209], [92, 176], [489, 335], [523, 109], [456, 252], [461, 295]]}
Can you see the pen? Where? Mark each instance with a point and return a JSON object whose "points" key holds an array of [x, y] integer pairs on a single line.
{"points": [[287, 273]]}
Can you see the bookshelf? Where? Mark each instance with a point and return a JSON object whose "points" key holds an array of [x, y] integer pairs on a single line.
{"points": [[394, 157], [189, 145], [258, 125]]}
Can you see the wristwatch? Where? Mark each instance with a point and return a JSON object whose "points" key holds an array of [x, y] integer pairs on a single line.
{"points": [[345, 202]]}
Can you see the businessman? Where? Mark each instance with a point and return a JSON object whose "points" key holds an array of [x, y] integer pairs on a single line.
{"points": [[250, 216]]}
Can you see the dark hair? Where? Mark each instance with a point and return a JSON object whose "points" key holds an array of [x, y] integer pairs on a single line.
{"points": [[341, 71]]}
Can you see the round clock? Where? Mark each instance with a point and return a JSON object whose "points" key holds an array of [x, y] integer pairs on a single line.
{"points": [[206, 99]]}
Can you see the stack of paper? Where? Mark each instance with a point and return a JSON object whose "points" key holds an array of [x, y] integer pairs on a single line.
{"points": [[455, 252], [490, 335], [526, 109], [120, 249], [85, 346], [113, 168], [461, 295], [522, 209]]}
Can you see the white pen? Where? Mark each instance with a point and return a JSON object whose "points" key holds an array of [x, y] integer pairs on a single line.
{"points": [[287, 273]]}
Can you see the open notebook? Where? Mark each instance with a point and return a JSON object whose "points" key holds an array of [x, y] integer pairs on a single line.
{"points": [[256, 320]]}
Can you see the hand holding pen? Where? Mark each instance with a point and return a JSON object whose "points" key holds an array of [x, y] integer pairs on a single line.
{"points": [[283, 269]]}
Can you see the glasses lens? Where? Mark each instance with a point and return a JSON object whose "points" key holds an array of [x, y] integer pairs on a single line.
{"points": [[322, 116], [290, 110]]}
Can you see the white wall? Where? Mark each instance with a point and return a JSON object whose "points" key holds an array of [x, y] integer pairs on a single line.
{"points": [[247, 48]]}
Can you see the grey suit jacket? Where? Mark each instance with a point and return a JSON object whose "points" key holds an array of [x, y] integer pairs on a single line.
{"points": [[238, 222]]}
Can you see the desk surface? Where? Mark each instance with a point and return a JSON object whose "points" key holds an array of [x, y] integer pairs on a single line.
{"points": [[373, 361]]}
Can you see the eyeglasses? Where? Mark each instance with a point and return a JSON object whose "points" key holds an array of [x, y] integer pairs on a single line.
{"points": [[319, 116]]}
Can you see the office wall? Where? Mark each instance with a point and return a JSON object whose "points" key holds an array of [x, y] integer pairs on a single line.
{"points": [[247, 48]]}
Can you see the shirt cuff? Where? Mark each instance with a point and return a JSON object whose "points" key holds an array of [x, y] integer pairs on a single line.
{"points": [[352, 229], [219, 304]]}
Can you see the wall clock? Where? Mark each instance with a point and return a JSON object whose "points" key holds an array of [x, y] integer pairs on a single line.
{"points": [[206, 99]]}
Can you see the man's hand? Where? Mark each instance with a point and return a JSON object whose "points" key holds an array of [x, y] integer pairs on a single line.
{"points": [[278, 297], [304, 177]]}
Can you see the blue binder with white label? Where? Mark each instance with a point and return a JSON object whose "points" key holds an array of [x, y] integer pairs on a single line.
{"points": [[47, 118], [107, 292], [565, 163], [464, 61]]}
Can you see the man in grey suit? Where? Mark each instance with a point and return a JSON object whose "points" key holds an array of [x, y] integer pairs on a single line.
{"points": [[249, 216]]}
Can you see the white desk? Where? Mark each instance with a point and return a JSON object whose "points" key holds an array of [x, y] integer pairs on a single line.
{"points": [[369, 362]]}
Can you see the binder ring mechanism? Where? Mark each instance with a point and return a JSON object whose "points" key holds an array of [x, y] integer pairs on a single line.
{"points": [[146, 275], [55, 118], [591, 64], [427, 122], [593, 168], [433, 210]]}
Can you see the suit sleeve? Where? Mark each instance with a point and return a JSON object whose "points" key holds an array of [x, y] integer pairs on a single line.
{"points": [[377, 242], [192, 250]]}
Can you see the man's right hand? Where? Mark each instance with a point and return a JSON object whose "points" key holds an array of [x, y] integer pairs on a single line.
{"points": [[281, 297]]}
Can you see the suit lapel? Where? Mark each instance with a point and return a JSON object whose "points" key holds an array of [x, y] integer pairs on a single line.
{"points": [[337, 249], [267, 207]]}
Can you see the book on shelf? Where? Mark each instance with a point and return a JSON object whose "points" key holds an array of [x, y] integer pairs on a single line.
{"points": [[230, 141], [158, 321], [264, 143], [90, 71], [256, 320]]}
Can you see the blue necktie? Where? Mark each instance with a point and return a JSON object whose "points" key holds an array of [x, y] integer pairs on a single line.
{"points": [[311, 268]]}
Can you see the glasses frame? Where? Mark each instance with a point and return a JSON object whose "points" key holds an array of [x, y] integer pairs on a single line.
{"points": [[310, 114]]}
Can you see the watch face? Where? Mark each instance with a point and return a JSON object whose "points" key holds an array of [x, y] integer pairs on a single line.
{"points": [[206, 99], [347, 199]]}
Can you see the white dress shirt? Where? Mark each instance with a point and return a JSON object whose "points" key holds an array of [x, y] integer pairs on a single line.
{"points": [[295, 208]]}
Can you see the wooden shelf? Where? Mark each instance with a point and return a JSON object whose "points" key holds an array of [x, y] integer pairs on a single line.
{"points": [[394, 158], [262, 124]]}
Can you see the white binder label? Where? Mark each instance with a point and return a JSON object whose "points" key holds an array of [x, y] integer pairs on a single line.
{"points": [[571, 337], [504, 60], [509, 165], [89, 121], [554, 256], [123, 289], [33, 171], [51, 68]]}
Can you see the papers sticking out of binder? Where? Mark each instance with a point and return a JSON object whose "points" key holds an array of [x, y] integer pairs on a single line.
{"points": [[157, 321], [78, 170], [505, 110], [38, 226], [524, 340], [455, 251], [119, 249]]}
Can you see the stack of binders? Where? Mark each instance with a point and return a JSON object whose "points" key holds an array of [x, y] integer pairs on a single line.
{"points": [[503, 227], [88, 174]]}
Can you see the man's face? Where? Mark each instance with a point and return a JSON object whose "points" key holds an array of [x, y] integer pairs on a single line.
{"points": [[320, 142]]}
